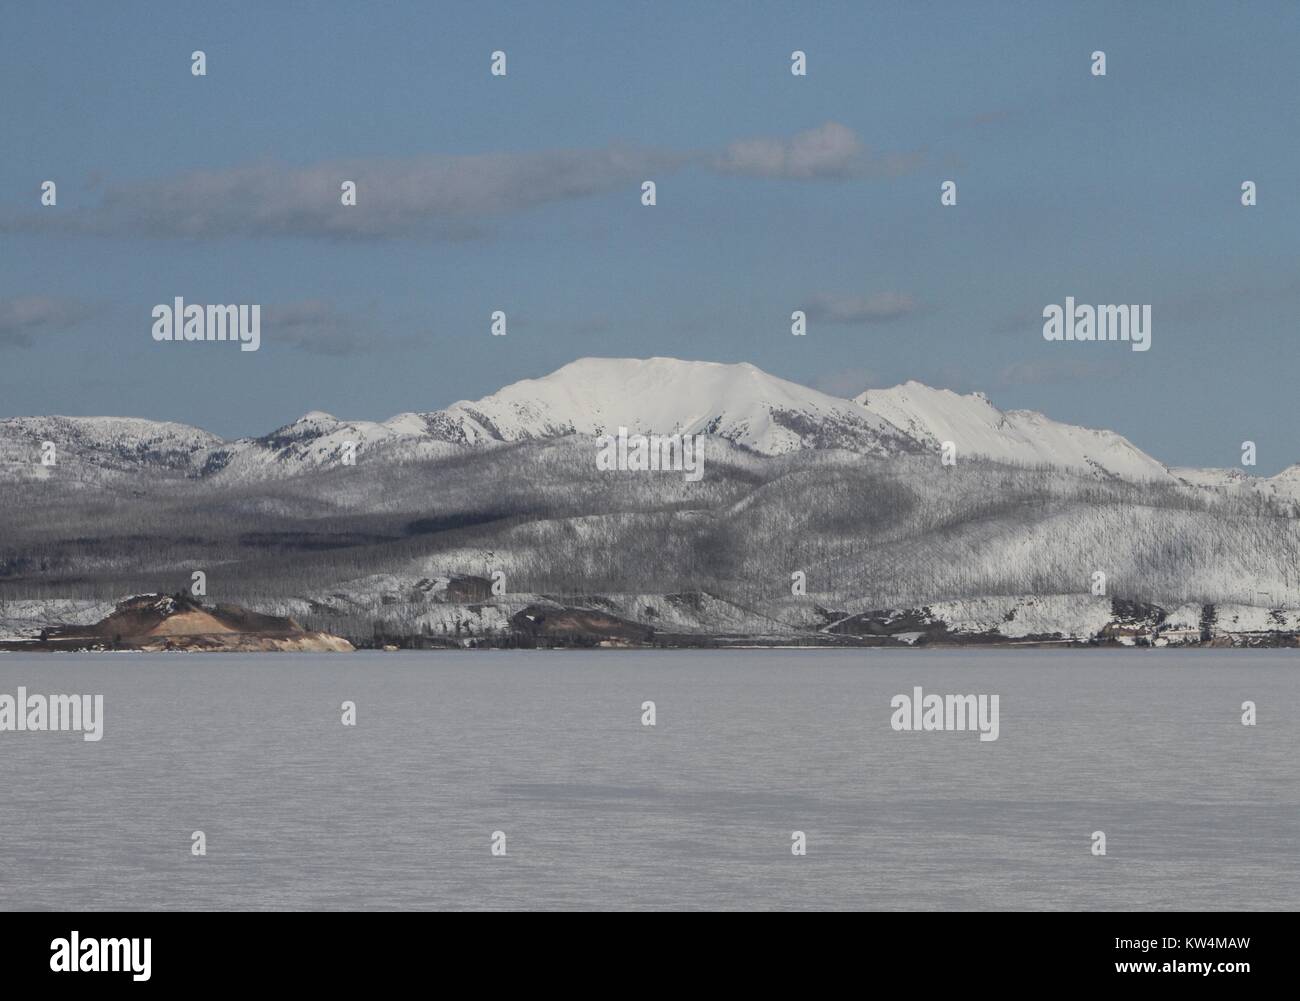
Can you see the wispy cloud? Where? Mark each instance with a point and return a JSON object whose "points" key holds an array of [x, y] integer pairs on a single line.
{"points": [[859, 310], [431, 196], [1040, 372], [441, 196], [1211, 300], [829, 151], [318, 327], [24, 321]]}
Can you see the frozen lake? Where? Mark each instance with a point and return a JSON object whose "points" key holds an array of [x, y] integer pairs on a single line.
{"points": [[599, 811]]}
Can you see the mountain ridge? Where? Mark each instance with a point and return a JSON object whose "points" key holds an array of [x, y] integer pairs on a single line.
{"points": [[739, 402]]}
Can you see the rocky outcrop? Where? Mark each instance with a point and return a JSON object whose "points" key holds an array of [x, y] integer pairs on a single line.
{"points": [[158, 622]]}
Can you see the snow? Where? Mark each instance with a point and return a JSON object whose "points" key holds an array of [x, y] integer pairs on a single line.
{"points": [[24, 618], [1284, 487], [977, 427], [747, 416], [1230, 618], [112, 443], [593, 396], [318, 440], [1212, 478], [1184, 617], [1072, 616], [691, 613]]}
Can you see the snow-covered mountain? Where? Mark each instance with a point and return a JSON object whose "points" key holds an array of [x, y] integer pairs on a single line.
{"points": [[1216, 479], [591, 396], [977, 427], [507, 484], [318, 440], [1284, 487], [741, 403], [115, 443]]}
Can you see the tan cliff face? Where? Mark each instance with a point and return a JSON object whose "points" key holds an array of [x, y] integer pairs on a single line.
{"points": [[191, 623], [231, 642], [157, 623]]}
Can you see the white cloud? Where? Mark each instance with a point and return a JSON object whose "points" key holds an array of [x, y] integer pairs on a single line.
{"points": [[24, 320], [859, 310], [828, 151], [441, 196]]}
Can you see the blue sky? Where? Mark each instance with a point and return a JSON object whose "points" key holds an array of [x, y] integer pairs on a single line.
{"points": [[775, 193]]}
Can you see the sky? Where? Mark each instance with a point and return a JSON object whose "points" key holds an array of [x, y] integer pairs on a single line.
{"points": [[775, 192]]}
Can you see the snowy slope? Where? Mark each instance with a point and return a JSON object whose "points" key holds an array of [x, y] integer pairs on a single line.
{"points": [[21, 620], [112, 443], [1286, 483], [1284, 487], [665, 395], [319, 440], [977, 427], [1214, 479], [591, 396]]}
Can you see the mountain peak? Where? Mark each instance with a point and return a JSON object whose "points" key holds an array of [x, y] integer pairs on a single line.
{"points": [[596, 395], [977, 427], [737, 401]]}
